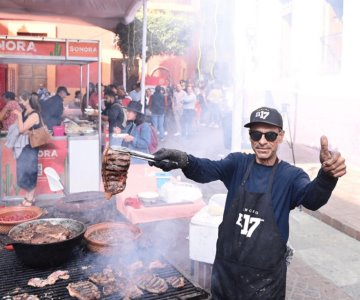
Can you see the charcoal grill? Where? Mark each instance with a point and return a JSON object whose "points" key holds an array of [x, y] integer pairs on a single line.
{"points": [[14, 277]]}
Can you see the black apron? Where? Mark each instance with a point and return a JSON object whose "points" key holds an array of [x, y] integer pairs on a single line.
{"points": [[250, 253]]}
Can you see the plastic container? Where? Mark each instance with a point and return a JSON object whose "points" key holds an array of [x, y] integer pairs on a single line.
{"points": [[59, 130], [161, 179]]}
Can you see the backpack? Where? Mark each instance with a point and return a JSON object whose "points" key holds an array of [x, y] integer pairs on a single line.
{"points": [[154, 138]]}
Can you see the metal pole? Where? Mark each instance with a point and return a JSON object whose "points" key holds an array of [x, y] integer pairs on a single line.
{"points": [[81, 82], [99, 110], [124, 75], [87, 84], [143, 54]]}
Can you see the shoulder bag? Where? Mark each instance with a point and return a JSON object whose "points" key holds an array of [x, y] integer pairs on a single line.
{"points": [[39, 136]]}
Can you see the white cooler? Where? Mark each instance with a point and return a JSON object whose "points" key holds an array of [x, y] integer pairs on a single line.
{"points": [[203, 231]]}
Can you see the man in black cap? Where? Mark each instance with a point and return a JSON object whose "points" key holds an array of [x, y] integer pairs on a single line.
{"points": [[52, 109], [250, 260]]}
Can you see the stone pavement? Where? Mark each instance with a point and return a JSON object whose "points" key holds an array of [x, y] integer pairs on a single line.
{"points": [[326, 264]]}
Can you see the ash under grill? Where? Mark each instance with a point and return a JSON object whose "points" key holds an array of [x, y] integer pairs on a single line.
{"points": [[14, 277]]}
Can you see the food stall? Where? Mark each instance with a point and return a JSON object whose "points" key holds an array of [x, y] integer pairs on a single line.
{"points": [[75, 156]]}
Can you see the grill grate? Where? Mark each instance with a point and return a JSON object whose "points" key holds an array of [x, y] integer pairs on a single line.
{"points": [[14, 277]]}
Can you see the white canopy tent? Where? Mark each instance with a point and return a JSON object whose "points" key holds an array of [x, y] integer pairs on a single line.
{"points": [[104, 13]]}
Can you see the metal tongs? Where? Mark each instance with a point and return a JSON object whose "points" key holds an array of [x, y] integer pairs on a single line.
{"points": [[139, 154]]}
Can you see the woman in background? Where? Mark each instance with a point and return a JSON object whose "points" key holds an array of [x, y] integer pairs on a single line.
{"points": [[27, 162], [139, 132], [6, 117]]}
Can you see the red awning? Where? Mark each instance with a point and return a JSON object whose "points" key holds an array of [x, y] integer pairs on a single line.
{"points": [[103, 13]]}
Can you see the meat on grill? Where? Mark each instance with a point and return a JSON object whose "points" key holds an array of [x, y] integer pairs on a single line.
{"points": [[50, 280], [115, 165], [25, 296], [83, 290], [151, 283], [176, 282], [156, 264], [105, 277], [136, 266]]}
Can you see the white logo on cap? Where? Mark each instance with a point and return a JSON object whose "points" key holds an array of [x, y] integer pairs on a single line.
{"points": [[262, 114]]}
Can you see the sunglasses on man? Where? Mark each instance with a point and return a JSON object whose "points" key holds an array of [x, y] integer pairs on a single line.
{"points": [[270, 136]]}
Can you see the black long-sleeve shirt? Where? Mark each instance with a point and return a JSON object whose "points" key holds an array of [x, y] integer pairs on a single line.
{"points": [[291, 186]]}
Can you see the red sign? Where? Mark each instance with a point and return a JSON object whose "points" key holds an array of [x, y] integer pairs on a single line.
{"points": [[51, 155], [56, 49], [31, 48], [83, 49]]}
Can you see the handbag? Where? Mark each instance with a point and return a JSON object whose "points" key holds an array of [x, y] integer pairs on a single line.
{"points": [[39, 136]]}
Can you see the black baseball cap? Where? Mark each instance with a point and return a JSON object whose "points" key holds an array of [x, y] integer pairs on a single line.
{"points": [[62, 89], [265, 115]]}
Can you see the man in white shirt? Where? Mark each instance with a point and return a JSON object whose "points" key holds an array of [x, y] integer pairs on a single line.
{"points": [[136, 93]]}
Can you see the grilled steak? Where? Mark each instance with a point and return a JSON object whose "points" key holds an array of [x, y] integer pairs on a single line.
{"points": [[115, 166], [107, 276], [151, 283], [50, 280], [83, 290], [136, 266], [132, 292], [25, 296], [156, 264], [176, 282]]}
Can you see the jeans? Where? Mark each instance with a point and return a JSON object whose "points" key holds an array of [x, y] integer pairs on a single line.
{"points": [[158, 122], [187, 119]]}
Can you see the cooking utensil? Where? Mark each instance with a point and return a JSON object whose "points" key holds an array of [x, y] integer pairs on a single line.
{"points": [[138, 154], [50, 254]]}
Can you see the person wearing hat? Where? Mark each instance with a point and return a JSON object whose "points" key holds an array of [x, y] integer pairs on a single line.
{"points": [[139, 131], [250, 260], [52, 109]]}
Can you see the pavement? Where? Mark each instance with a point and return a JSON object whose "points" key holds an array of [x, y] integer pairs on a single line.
{"points": [[326, 263]]}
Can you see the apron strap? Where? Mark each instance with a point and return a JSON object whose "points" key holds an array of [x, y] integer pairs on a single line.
{"points": [[247, 173]]}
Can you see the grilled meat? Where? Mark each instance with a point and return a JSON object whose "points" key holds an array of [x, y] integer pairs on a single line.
{"points": [[138, 265], [115, 166], [176, 282], [25, 296], [132, 292], [106, 277], [83, 290], [156, 264], [151, 283], [43, 233], [50, 280]]}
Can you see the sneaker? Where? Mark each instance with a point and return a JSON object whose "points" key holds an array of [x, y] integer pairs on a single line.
{"points": [[177, 133], [162, 139]]}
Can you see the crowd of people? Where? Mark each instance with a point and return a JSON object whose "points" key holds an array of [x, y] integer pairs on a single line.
{"points": [[169, 111]]}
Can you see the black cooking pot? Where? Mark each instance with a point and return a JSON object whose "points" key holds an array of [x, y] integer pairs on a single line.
{"points": [[50, 254]]}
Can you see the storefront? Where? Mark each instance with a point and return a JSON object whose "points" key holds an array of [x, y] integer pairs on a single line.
{"points": [[76, 157]]}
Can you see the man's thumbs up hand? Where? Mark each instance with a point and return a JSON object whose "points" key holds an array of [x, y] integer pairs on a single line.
{"points": [[332, 162], [325, 154]]}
